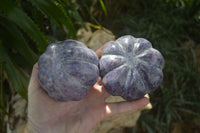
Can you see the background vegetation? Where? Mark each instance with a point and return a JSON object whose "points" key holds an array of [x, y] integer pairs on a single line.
{"points": [[174, 28], [28, 26]]}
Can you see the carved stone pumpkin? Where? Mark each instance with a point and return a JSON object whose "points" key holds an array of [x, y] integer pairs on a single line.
{"points": [[130, 67], [67, 70]]}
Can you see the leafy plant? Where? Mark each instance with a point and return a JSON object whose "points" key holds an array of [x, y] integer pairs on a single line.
{"points": [[174, 30], [26, 28]]}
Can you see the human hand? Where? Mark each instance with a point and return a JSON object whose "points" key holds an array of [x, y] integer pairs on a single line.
{"points": [[47, 115]]}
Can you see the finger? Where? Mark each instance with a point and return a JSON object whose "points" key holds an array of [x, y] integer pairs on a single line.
{"points": [[34, 88], [120, 107], [105, 93], [34, 82], [98, 52], [98, 91], [99, 81], [99, 88], [98, 85]]}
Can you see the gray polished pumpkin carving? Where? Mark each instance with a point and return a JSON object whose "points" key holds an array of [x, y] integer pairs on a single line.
{"points": [[130, 67], [67, 70]]}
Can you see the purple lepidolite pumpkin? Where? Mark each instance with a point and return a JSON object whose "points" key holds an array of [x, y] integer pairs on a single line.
{"points": [[67, 70], [130, 67]]}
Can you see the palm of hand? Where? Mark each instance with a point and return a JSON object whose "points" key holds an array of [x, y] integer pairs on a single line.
{"points": [[47, 115]]}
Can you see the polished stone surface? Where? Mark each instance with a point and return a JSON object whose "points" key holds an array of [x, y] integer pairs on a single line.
{"points": [[130, 67], [67, 70]]}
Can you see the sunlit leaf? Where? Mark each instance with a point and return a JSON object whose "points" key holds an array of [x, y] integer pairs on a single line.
{"points": [[103, 7]]}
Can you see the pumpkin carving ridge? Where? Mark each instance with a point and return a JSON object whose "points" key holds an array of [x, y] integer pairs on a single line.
{"points": [[67, 70], [144, 67]]}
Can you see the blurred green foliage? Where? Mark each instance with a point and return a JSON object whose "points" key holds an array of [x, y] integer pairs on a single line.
{"points": [[173, 27]]}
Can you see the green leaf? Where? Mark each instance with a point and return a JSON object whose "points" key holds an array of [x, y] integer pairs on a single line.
{"points": [[103, 7], [149, 129], [16, 77], [88, 10], [55, 14], [15, 40], [73, 13], [16, 14]]}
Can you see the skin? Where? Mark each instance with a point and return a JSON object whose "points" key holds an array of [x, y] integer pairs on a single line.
{"points": [[45, 115]]}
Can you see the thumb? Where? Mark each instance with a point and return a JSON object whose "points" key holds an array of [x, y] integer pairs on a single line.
{"points": [[34, 82], [120, 107]]}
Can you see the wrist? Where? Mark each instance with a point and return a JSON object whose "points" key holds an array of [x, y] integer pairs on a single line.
{"points": [[25, 130], [30, 128], [34, 128]]}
